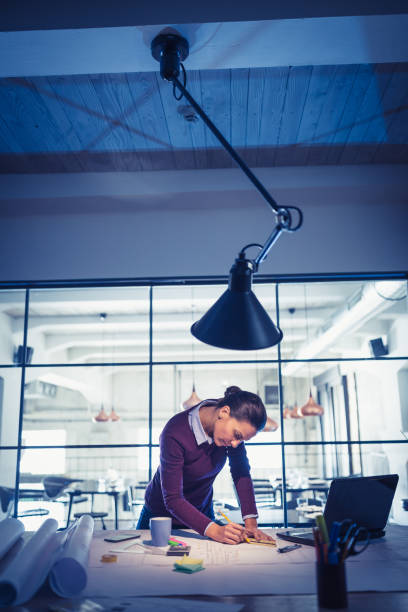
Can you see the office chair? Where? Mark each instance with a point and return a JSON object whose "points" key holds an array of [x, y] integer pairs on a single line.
{"points": [[7, 505]]}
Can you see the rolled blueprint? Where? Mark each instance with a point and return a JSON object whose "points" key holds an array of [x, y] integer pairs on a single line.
{"points": [[69, 573], [10, 531], [29, 568]]}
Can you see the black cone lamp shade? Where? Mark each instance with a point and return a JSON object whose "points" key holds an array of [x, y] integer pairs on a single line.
{"points": [[237, 320]]}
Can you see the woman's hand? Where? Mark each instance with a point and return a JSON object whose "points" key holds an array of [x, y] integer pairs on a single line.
{"points": [[231, 533], [252, 531]]}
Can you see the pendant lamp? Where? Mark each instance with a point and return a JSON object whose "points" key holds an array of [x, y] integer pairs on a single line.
{"points": [[295, 413], [270, 425], [286, 412], [237, 320], [114, 415], [101, 417], [193, 400], [311, 408]]}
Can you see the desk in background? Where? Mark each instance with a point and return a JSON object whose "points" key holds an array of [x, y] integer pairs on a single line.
{"points": [[93, 487]]}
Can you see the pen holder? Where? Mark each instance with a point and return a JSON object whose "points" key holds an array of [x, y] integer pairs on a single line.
{"points": [[331, 585]]}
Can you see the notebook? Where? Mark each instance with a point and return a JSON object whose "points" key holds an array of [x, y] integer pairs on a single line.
{"points": [[366, 500]]}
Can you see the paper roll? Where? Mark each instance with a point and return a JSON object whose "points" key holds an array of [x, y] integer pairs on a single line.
{"points": [[28, 570], [69, 574], [10, 531]]}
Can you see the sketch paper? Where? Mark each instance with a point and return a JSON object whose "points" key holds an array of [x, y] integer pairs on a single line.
{"points": [[244, 570], [29, 568], [11, 530], [68, 576]]}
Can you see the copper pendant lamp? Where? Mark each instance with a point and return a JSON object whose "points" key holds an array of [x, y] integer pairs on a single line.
{"points": [[295, 413], [193, 400], [101, 417], [312, 408], [114, 415], [286, 412], [270, 425]]}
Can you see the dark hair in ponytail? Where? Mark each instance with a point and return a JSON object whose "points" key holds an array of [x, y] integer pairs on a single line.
{"points": [[245, 406]]}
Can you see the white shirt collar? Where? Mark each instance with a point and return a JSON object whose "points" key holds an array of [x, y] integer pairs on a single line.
{"points": [[197, 427]]}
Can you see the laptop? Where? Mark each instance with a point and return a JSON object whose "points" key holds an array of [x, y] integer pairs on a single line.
{"points": [[366, 500]]}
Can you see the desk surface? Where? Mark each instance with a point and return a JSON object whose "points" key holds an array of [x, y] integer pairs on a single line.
{"points": [[358, 602], [286, 581]]}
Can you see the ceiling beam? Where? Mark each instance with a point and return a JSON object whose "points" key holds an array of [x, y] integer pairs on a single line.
{"points": [[366, 179], [214, 45], [47, 14]]}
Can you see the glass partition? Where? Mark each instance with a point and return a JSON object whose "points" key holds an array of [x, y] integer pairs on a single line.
{"points": [[86, 405], [96, 380], [359, 400], [10, 386], [311, 468], [12, 308], [89, 325], [172, 387], [348, 319]]}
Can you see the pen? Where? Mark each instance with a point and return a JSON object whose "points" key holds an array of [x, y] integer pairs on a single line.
{"points": [[229, 521], [317, 544], [332, 553], [324, 536]]}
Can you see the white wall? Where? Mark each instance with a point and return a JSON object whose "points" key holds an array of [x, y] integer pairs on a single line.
{"points": [[335, 238]]}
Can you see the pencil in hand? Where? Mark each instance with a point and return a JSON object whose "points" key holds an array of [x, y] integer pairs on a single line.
{"points": [[229, 521]]}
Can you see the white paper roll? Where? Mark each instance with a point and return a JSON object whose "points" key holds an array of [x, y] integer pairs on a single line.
{"points": [[69, 574], [10, 530], [28, 570]]}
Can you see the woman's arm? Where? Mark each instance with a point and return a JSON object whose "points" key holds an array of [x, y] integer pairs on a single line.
{"points": [[171, 475], [241, 475]]}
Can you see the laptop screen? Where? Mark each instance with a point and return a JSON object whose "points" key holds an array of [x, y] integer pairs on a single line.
{"points": [[366, 500]]}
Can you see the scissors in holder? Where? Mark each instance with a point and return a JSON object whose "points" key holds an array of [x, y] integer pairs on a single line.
{"points": [[354, 539]]}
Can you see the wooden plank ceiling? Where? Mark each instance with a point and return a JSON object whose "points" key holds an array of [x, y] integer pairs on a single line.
{"points": [[352, 114]]}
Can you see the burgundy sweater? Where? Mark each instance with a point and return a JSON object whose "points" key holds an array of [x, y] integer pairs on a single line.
{"points": [[182, 485]]}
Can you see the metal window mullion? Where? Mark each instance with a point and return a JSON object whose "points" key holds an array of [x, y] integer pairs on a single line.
{"points": [[150, 378], [280, 387], [21, 409]]}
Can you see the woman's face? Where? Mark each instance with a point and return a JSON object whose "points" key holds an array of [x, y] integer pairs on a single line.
{"points": [[228, 431]]}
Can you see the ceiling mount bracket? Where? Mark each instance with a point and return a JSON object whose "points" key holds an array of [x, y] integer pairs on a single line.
{"points": [[170, 50]]}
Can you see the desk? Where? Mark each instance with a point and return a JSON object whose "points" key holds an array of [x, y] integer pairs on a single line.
{"points": [[376, 579], [92, 487]]}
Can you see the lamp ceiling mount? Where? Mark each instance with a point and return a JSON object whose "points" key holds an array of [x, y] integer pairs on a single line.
{"points": [[170, 50]]}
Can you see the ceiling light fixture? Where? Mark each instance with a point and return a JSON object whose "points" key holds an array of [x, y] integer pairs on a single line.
{"points": [[237, 320]]}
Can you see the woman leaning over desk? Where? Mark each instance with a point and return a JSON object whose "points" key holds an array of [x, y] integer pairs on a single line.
{"points": [[194, 446]]}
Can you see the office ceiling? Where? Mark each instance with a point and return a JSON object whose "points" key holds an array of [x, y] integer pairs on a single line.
{"points": [[279, 116], [321, 89]]}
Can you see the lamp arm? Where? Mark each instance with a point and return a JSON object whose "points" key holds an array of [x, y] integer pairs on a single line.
{"points": [[285, 221], [267, 196]]}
